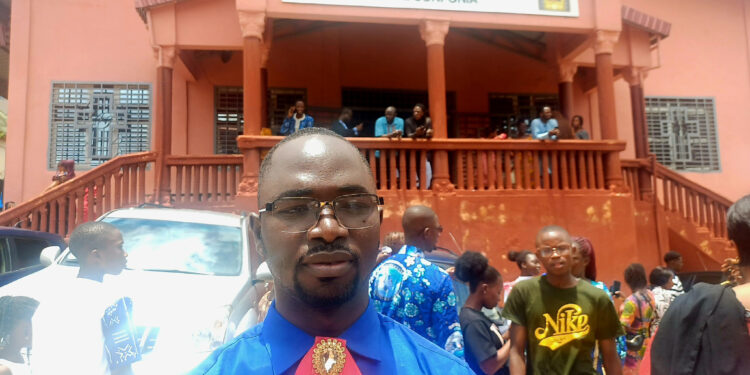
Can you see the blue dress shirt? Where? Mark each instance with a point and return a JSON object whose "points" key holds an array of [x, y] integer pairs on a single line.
{"points": [[378, 345], [409, 289], [540, 130], [287, 127]]}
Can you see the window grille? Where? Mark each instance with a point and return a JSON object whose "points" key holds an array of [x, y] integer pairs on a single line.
{"points": [[229, 119], [682, 133], [92, 123]]}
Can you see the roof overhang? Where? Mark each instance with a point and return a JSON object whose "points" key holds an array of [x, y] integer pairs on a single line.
{"points": [[645, 22]]}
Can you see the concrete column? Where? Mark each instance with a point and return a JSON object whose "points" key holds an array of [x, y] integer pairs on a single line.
{"points": [[634, 77], [603, 47], [433, 33], [265, 53], [253, 26], [163, 129], [566, 72]]}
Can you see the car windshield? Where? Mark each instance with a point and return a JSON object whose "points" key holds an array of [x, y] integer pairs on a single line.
{"points": [[170, 246]]}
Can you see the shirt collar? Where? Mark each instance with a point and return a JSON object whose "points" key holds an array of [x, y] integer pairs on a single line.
{"points": [[343, 123], [288, 344], [411, 250]]}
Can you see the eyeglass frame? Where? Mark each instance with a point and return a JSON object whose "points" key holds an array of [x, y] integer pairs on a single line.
{"points": [[321, 205], [554, 249]]}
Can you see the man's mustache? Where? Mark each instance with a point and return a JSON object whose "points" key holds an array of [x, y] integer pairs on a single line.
{"points": [[329, 248]]}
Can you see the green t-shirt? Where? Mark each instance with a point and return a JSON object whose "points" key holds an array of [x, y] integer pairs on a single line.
{"points": [[562, 325]]}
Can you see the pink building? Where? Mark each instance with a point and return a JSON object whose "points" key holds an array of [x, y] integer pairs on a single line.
{"points": [[90, 80]]}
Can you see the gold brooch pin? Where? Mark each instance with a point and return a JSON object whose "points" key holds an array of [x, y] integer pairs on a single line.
{"points": [[329, 357]]}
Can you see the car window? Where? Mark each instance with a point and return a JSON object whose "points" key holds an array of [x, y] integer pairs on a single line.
{"points": [[27, 252], [169, 246], [4, 256]]}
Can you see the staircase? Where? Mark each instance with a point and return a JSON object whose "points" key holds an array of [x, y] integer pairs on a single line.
{"points": [[689, 218]]}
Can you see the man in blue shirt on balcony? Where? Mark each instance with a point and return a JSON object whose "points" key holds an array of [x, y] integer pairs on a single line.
{"points": [[389, 125], [318, 229], [296, 119], [545, 127]]}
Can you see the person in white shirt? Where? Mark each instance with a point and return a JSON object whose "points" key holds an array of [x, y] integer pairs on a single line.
{"points": [[70, 331], [674, 263], [529, 265], [15, 333], [661, 282]]}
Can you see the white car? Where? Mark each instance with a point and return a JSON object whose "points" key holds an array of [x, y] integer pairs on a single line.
{"points": [[188, 275]]}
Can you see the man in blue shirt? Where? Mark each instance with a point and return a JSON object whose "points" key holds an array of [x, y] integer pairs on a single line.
{"points": [[415, 292], [296, 119], [545, 127], [389, 125], [318, 229]]}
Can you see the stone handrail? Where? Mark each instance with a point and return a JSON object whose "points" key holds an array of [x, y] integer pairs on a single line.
{"points": [[204, 178], [476, 164], [678, 194], [120, 182]]}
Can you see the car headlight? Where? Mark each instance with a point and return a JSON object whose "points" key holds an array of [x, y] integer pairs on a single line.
{"points": [[213, 334]]}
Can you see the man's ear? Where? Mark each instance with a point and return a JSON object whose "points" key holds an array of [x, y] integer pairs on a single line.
{"points": [[95, 257], [255, 227]]}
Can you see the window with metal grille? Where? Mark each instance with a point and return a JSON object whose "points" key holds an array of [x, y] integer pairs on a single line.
{"points": [[682, 133], [92, 123], [229, 119]]}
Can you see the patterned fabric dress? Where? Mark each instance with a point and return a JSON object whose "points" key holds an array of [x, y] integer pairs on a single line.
{"points": [[637, 321], [409, 289], [619, 341]]}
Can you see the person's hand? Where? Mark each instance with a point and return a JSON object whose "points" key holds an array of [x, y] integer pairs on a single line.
{"points": [[451, 271], [506, 336], [290, 112], [428, 133], [359, 127], [419, 132], [554, 132]]}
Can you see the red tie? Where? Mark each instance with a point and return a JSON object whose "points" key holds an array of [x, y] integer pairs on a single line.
{"points": [[328, 356]]}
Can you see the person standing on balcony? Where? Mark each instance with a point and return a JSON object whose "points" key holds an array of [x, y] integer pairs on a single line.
{"points": [[415, 292], [343, 128], [545, 127], [389, 125], [560, 317], [319, 230], [673, 260], [420, 126], [296, 119], [706, 330], [577, 124]]}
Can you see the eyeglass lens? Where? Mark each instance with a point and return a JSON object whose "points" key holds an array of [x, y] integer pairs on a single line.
{"points": [[352, 212]]}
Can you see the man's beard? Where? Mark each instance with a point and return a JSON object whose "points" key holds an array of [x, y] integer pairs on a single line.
{"points": [[334, 293]]}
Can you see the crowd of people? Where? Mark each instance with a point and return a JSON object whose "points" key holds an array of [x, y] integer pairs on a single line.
{"points": [[345, 305], [549, 125]]}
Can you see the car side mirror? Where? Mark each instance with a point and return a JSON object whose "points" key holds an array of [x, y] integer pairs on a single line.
{"points": [[49, 254]]}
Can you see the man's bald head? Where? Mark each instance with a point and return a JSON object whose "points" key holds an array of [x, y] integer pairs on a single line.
{"points": [[552, 231], [415, 221], [267, 163]]}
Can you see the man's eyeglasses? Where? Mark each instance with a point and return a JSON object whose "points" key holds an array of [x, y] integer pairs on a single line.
{"points": [[548, 251], [299, 214]]}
